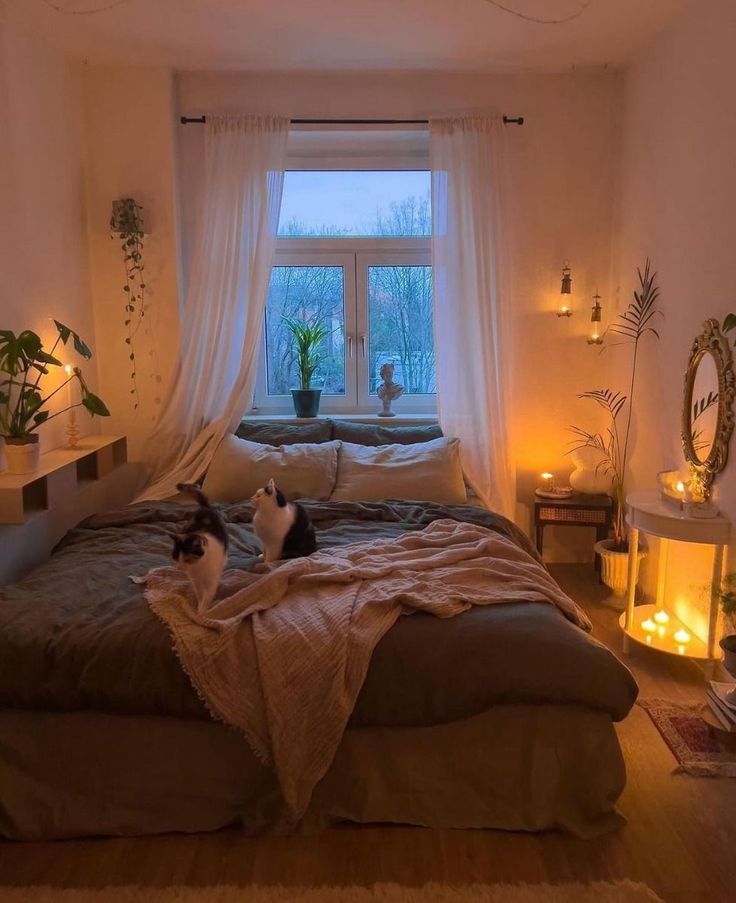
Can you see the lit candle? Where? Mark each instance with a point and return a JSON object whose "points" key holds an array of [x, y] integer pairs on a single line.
{"points": [[680, 487], [648, 626], [682, 636], [547, 481], [661, 616]]}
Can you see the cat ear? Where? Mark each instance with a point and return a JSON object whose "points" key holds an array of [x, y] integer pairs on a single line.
{"points": [[271, 485]]}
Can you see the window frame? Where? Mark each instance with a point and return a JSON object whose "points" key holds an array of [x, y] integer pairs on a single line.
{"points": [[354, 255]]}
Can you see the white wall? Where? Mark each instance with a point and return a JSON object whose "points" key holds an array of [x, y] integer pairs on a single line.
{"points": [[562, 173], [43, 251], [130, 153], [678, 205]]}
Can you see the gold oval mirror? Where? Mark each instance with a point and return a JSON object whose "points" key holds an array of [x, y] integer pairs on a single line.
{"points": [[707, 415]]}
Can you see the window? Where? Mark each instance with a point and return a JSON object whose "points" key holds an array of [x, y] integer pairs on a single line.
{"points": [[353, 254]]}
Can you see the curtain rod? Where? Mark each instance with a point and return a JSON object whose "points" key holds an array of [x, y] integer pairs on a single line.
{"points": [[507, 120]]}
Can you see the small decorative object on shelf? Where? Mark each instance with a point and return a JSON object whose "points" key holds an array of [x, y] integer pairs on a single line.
{"points": [[388, 391], [546, 482], [72, 430], [24, 402], [565, 308]]}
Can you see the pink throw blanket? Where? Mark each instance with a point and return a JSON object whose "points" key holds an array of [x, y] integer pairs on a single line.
{"points": [[283, 651]]}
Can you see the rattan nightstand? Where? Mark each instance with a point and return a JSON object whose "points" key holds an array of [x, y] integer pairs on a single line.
{"points": [[577, 511]]}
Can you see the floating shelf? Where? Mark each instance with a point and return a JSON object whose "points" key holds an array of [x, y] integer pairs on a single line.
{"points": [[61, 472]]}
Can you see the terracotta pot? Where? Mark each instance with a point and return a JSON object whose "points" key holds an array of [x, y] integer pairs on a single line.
{"points": [[306, 402], [22, 453], [615, 572]]}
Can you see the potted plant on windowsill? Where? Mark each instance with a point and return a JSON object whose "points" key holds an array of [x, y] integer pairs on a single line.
{"points": [[307, 338], [23, 405], [613, 444]]}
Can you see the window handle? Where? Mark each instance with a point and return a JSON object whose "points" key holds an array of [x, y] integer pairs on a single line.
{"points": [[350, 346], [362, 344]]}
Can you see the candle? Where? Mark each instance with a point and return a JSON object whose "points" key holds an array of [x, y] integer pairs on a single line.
{"points": [[661, 616], [648, 626], [682, 636], [547, 481], [68, 369], [680, 487]]}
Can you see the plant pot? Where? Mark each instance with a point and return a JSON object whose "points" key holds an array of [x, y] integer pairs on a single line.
{"points": [[615, 572], [728, 644], [306, 402], [22, 453]]}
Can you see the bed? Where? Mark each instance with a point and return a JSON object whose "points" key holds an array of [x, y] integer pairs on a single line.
{"points": [[501, 717]]}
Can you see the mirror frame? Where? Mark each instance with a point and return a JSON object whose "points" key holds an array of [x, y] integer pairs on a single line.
{"points": [[710, 341]]}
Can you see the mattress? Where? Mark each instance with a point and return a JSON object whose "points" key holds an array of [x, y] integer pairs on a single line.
{"points": [[77, 634]]}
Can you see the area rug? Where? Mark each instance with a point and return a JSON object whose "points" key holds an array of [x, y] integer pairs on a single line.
{"points": [[597, 892], [700, 748]]}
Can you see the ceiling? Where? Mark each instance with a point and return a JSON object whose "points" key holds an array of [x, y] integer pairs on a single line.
{"points": [[471, 35]]}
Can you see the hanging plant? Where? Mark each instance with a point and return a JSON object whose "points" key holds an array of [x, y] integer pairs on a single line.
{"points": [[126, 224]]}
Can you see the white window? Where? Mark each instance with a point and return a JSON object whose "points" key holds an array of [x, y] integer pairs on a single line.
{"points": [[353, 254]]}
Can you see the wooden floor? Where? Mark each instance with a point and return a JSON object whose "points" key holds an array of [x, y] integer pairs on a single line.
{"points": [[680, 839]]}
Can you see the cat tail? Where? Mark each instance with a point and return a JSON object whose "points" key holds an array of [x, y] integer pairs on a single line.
{"points": [[195, 492]]}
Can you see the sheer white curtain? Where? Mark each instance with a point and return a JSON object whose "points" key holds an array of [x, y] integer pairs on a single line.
{"points": [[472, 342], [222, 317]]}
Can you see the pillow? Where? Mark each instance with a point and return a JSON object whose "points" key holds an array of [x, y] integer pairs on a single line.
{"points": [[302, 470], [380, 434], [274, 432], [425, 472]]}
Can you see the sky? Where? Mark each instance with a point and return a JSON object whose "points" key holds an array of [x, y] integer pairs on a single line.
{"points": [[347, 200]]}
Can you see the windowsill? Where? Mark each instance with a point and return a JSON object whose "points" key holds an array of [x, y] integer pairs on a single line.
{"points": [[398, 420]]}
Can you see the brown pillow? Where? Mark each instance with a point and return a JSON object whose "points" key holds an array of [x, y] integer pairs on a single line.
{"points": [[380, 434], [424, 472]]}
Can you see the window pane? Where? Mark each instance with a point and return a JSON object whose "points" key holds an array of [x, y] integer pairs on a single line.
{"points": [[362, 202], [309, 294], [400, 324]]}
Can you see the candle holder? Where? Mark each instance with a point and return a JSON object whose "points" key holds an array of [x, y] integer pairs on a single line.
{"points": [[73, 433]]}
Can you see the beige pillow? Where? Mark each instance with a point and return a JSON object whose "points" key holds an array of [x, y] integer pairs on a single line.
{"points": [[239, 468], [425, 472]]}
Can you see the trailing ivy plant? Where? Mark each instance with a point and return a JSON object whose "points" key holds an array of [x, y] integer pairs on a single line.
{"points": [[126, 225]]}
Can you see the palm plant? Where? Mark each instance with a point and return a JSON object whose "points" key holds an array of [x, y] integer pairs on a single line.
{"points": [[613, 444], [308, 337], [24, 363]]}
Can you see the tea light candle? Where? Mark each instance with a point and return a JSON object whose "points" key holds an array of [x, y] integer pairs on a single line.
{"points": [[648, 626], [661, 617], [682, 637], [680, 488], [547, 481]]}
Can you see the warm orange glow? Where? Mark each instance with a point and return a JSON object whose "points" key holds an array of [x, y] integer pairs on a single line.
{"points": [[682, 636], [661, 617]]}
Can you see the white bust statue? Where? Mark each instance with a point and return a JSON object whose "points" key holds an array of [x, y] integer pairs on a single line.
{"points": [[388, 390]]}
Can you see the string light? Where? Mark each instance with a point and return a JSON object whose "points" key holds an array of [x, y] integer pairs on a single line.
{"points": [[540, 21]]}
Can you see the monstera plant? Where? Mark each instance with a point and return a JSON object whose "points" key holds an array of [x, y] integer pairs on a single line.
{"points": [[24, 400]]}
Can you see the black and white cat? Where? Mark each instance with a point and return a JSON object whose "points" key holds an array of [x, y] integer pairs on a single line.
{"points": [[283, 527], [201, 549]]}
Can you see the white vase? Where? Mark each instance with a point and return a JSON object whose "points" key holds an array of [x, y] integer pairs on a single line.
{"points": [[615, 572], [22, 457], [589, 476]]}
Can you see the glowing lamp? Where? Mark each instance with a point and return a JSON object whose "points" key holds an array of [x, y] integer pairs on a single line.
{"points": [[565, 308]]}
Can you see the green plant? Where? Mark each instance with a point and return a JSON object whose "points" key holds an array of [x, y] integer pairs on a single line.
{"points": [[24, 363], [126, 224], [727, 595], [308, 337], [631, 326]]}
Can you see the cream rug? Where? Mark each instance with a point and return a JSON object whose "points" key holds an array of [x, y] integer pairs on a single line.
{"points": [[599, 892]]}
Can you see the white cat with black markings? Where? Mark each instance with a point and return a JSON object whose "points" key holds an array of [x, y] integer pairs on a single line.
{"points": [[284, 528], [200, 550]]}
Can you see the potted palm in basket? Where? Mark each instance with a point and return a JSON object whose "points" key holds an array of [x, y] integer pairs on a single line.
{"points": [[307, 338], [612, 444], [23, 403]]}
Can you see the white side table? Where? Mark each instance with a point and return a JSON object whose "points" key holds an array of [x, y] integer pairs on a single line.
{"points": [[648, 513]]}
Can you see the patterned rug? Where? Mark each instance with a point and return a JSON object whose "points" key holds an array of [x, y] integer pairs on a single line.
{"points": [[700, 748], [598, 892]]}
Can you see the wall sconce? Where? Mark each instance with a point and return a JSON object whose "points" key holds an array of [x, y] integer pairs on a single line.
{"points": [[565, 309], [595, 337]]}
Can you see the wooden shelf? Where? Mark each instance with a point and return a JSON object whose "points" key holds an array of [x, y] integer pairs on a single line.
{"points": [[61, 472]]}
